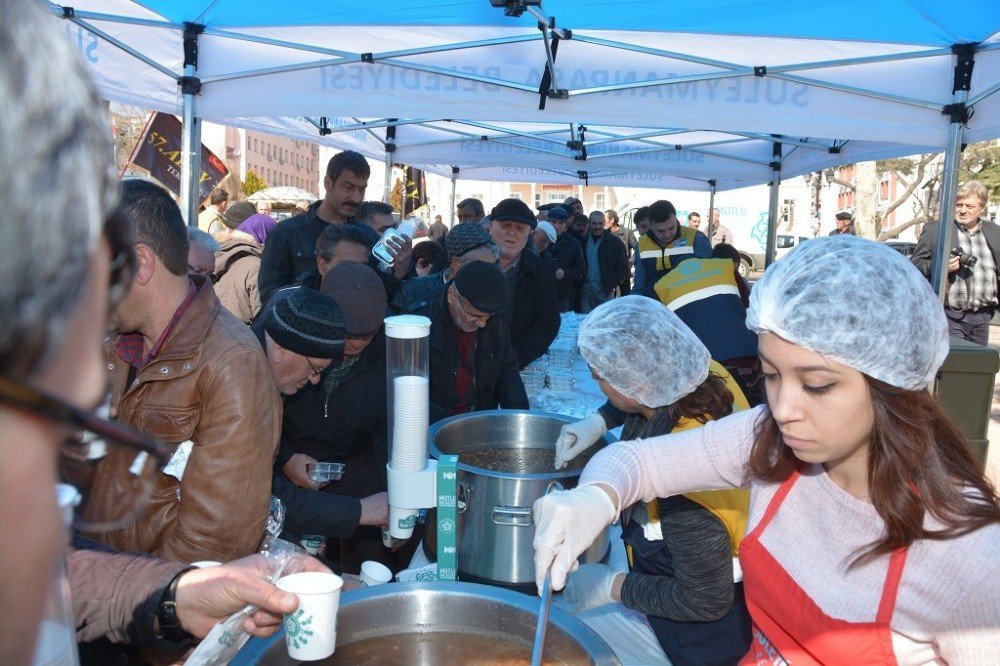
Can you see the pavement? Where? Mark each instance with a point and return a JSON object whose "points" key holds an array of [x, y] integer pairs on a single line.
{"points": [[993, 434]]}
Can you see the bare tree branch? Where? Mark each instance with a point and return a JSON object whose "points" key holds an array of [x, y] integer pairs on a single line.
{"points": [[895, 231]]}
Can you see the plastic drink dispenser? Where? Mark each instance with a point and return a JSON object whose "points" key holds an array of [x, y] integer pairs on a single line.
{"points": [[410, 475]]}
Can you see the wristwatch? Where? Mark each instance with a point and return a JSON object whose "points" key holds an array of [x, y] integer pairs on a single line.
{"points": [[170, 628]]}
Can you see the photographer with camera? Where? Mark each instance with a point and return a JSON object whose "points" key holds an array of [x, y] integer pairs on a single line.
{"points": [[973, 267]]}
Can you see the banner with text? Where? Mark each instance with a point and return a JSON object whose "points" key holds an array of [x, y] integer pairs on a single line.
{"points": [[159, 152]]}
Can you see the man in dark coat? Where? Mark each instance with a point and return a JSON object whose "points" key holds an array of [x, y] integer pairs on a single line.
{"points": [[472, 364], [343, 419], [567, 255], [531, 282], [291, 248], [607, 266]]}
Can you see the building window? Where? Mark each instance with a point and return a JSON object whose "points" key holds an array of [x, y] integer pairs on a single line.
{"points": [[515, 195], [557, 197], [599, 201], [538, 199]]}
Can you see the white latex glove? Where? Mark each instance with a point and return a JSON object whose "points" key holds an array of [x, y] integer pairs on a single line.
{"points": [[575, 438], [566, 523], [590, 586]]}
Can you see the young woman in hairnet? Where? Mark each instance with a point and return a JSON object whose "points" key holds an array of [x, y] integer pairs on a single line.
{"points": [[660, 378], [872, 535]]}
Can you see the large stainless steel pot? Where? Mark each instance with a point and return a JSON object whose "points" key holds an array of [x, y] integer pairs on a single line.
{"points": [[495, 526], [419, 609]]}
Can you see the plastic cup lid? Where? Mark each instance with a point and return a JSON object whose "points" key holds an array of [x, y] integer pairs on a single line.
{"points": [[407, 327]]}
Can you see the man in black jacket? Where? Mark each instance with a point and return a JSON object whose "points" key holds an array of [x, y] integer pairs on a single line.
{"points": [[973, 276], [531, 282], [567, 255], [472, 364], [607, 266], [290, 250], [343, 419]]}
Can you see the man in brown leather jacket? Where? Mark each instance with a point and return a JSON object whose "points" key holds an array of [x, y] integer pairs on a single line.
{"points": [[184, 370]]}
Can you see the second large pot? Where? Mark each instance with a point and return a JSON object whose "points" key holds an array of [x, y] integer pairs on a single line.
{"points": [[505, 464]]}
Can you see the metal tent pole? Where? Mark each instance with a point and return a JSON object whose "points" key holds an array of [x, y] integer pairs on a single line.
{"points": [[711, 206], [191, 130], [454, 203], [959, 114], [390, 148], [772, 216]]}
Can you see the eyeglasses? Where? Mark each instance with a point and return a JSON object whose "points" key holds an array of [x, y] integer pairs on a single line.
{"points": [[86, 448], [313, 370]]}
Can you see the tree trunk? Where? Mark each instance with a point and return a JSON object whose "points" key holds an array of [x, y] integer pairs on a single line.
{"points": [[866, 223]]}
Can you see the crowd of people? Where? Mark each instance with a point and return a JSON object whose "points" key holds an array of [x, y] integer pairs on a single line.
{"points": [[181, 377]]}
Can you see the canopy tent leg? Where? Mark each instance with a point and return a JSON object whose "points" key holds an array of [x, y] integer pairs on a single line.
{"points": [[772, 214], [454, 203], [390, 148], [711, 205], [190, 161], [191, 130], [959, 113], [387, 190]]}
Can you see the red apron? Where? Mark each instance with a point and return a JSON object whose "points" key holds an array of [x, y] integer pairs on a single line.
{"points": [[788, 626]]}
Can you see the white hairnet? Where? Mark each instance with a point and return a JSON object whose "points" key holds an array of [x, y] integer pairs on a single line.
{"points": [[643, 350], [858, 303]]}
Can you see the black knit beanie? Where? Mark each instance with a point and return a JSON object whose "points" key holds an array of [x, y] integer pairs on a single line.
{"points": [[306, 322], [482, 284]]}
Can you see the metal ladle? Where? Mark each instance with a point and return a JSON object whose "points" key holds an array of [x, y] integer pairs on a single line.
{"points": [[545, 602]]}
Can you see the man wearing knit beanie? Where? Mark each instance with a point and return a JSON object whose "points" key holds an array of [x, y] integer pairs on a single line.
{"points": [[531, 282], [301, 332], [472, 364], [465, 243], [343, 420]]}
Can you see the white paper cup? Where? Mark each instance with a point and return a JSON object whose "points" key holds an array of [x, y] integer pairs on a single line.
{"points": [[401, 522], [311, 631], [374, 573]]}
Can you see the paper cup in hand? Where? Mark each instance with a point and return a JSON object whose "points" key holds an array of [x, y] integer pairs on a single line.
{"points": [[374, 573], [311, 631], [402, 522]]}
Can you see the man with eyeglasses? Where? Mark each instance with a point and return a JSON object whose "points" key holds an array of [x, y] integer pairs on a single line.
{"points": [[343, 419], [464, 244], [185, 370], [52, 372], [973, 294], [301, 332], [472, 363]]}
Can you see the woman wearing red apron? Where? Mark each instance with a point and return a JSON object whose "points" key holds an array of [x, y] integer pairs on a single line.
{"points": [[873, 535]]}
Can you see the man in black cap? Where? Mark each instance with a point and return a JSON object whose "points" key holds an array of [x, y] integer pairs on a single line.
{"points": [[465, 243], [472, 364], [566, 253], [531, 282], [343, 419]]}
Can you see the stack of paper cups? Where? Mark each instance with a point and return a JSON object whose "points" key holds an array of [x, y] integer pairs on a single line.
{"points": [[409, 443], [409, 423]]}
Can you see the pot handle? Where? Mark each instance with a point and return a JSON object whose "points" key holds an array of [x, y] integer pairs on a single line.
{"points": [[514, 516], [463, 495]]}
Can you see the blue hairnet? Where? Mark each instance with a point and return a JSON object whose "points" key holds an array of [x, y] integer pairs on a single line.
{"points": [[643, 350], [857, 302]]}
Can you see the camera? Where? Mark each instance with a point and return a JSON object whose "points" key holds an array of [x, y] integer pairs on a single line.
{"points": [[964, 259]]}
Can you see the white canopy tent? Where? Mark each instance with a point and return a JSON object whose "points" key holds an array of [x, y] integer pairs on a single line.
{"points": [[917, 74]]}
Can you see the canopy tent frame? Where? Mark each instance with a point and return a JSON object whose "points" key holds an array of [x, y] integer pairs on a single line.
{"points": [[961, 102]]}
